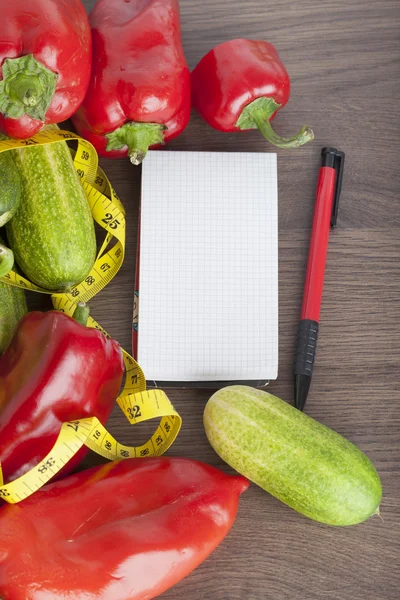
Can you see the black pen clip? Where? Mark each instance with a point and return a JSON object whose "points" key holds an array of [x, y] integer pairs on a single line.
{"points": [[335, 159]]}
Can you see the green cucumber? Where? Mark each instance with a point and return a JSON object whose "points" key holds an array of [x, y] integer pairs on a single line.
{"points": [[6, 260], [12, 309], [52, 233], [11, 187], [306, 465]]}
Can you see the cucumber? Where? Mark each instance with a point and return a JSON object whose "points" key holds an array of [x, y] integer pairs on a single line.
{"points": [[52, 233], [11, 187], [6, 260], [12, 309], [306, 465]]}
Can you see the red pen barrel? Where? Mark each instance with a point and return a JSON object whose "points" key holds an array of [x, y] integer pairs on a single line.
{"points": [[325, 215], [314, 282]]}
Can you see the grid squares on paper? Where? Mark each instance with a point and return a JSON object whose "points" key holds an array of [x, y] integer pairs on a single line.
{"points": [[208, 285]]}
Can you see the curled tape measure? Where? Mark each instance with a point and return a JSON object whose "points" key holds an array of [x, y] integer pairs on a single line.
{"points": [[91, 433], [107, 211], [137, 403]]}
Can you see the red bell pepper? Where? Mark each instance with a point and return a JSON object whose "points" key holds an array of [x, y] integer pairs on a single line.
{"points": [[139, 94], [127, 530], [54, 370], [45, 58], [240, 85]]}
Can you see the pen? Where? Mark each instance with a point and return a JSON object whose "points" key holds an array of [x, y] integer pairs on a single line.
{"points": [[325, 217]]}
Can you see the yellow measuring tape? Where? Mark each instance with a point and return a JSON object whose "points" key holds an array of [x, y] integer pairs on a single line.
{"points": [[137, 403]]}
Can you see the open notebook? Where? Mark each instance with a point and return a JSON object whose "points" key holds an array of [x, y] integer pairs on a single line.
{"points": [[208, 268]]}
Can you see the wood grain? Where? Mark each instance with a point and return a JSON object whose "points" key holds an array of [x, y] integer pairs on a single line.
{"points": [[343, 59]]}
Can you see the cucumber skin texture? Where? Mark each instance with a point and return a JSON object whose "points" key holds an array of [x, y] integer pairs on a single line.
{"points": [[12, 309], [52, 233], [11, 187], [306, 465]]}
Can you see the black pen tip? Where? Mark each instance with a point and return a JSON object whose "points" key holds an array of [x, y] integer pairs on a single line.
{"points": [[301, 388]]}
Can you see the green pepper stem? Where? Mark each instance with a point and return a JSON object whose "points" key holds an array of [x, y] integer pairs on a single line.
{"points": [[257, 114], [81, 313], [6, 260], [305, 134], [24, 89], [138, 137], [27, 88]]}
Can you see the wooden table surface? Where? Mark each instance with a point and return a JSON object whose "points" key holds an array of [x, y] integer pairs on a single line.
{"points": [[343, 58]]}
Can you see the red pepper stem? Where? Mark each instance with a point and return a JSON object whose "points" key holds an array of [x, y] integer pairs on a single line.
{"points": [[81, 313], [305, 134], [24, 89], [138, 137], [257, 115], [6, 260], [27, 88]]}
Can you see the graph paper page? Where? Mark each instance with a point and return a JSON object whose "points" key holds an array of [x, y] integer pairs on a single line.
{"points": [[208, 285]]}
